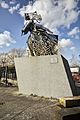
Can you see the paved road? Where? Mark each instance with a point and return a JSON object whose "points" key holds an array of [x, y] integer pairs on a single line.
{"points": [[15, 106], [18, 107]]}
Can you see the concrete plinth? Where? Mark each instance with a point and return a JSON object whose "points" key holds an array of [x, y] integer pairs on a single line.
{"points": [[43, 76]]}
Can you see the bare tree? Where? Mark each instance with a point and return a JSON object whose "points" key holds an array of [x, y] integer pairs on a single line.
{"points": [[7, 59], [17, 52], [74, 61]]}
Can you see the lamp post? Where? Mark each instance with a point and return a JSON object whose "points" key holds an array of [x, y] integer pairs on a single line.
{"points": [[5, 68]]}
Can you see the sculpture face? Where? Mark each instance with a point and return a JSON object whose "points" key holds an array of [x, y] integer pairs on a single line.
{"points": [[41, 40]]}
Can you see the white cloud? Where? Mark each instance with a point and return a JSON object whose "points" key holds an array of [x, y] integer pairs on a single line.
{"points": [[66, 47], [73, 48], [56, 31], [3, 4], [74, 31], [77, 36], [65, 43], [12, 2], [22, 11], [55, 13], [6, 39], [14, 8]]}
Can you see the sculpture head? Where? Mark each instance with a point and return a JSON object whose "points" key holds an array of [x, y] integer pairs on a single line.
{"points": [[27, 17], [30, 21], [33, 16]]}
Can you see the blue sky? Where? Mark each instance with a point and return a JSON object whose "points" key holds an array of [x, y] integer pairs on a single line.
{"points": [[60, 16]]}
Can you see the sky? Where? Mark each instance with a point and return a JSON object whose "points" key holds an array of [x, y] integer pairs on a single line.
{"points": [[62, 17]]}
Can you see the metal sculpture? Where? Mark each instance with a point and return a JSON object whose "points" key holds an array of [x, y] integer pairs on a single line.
{"points": [[41, 40]]}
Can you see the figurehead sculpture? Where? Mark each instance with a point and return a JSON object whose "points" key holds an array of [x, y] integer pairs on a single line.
{"points": [[41, 40]]}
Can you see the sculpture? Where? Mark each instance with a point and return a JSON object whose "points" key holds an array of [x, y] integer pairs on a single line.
{"points": [[41, 40]]}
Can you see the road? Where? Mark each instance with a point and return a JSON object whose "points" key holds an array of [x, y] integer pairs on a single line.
{"points": [[15, 106]]}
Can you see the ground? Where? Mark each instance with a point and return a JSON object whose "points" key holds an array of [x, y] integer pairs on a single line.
{"points": [[15, 106]]}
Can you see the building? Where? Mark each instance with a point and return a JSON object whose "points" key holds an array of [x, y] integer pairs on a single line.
{"points": [[75, 70]]}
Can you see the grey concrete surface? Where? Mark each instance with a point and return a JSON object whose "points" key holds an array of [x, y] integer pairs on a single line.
{"points": [[15, 106], [43, 76]]}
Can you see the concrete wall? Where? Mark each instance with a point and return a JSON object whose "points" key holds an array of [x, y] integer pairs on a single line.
{"points": [[43, 76]]}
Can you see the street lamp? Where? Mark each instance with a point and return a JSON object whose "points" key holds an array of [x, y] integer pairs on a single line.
{"points": [[5, 67]]}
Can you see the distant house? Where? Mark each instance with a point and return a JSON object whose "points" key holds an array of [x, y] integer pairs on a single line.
{"points": [[75, 70]]}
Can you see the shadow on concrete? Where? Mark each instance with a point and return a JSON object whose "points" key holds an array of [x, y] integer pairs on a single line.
{"points": [[72, 117], [75, 89]]}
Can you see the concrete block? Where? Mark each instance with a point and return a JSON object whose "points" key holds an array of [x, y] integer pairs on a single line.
{"points": [[43, 76], [70, 101]]}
